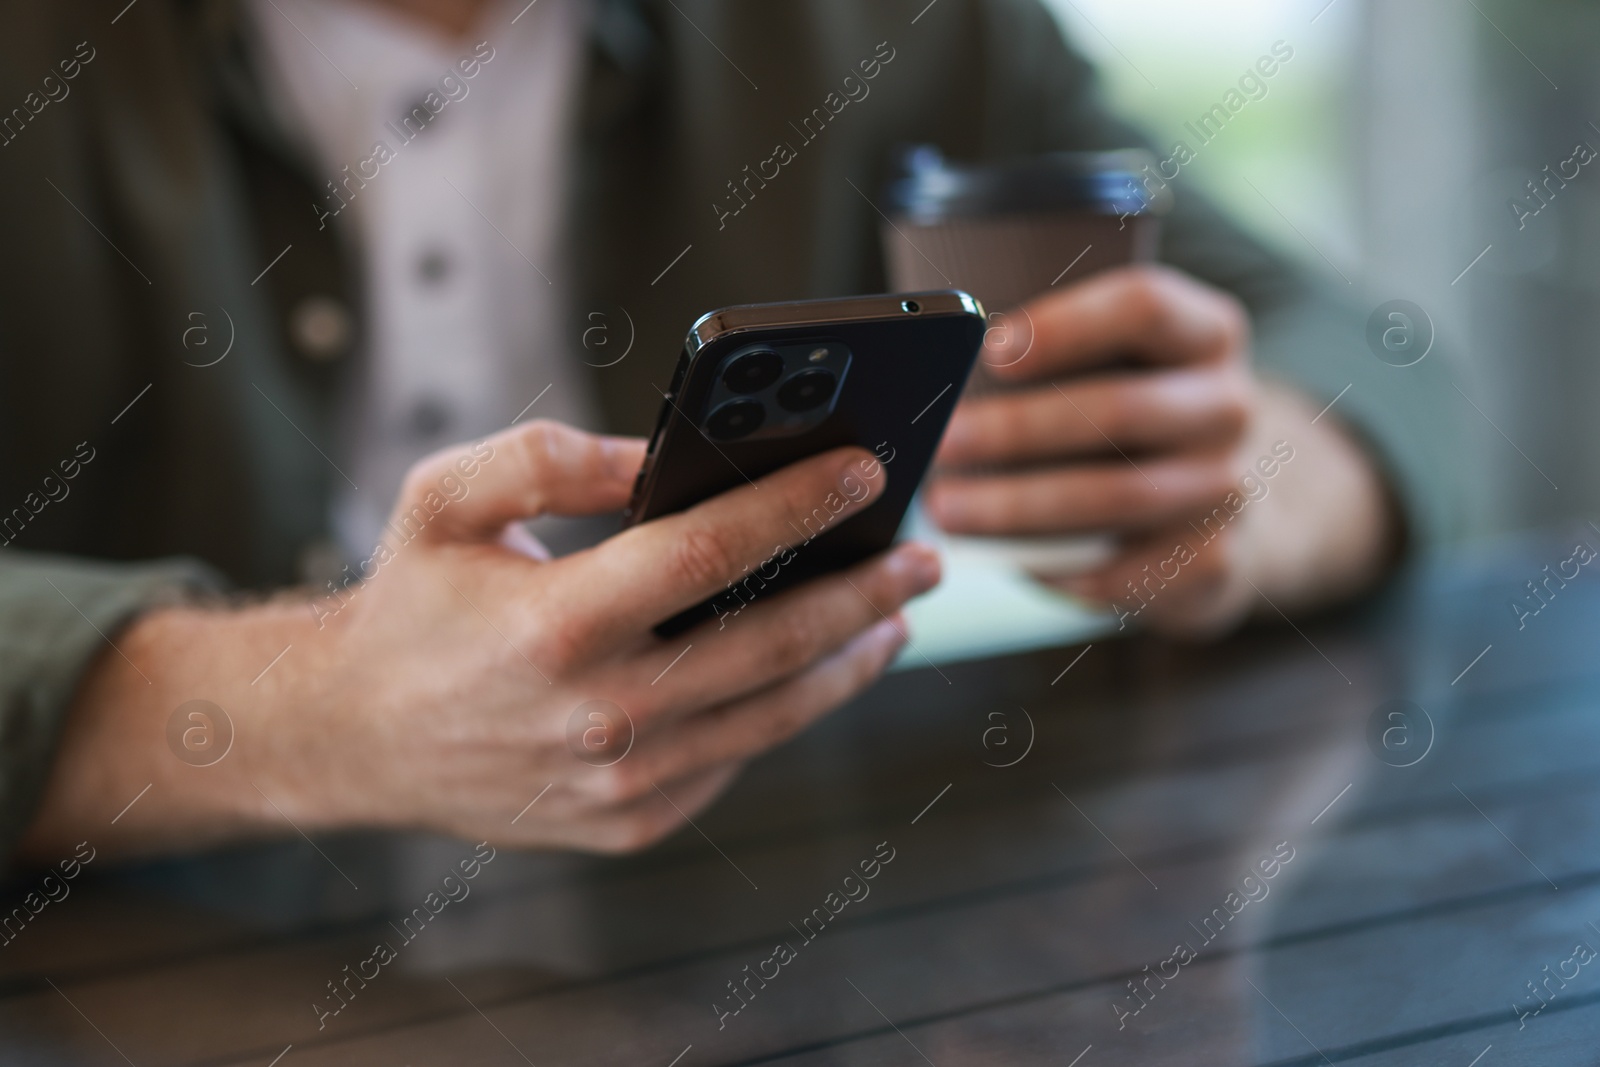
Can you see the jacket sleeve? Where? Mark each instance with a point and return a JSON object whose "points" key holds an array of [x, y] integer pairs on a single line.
{"points": [[1309, 330], [57, 614]]}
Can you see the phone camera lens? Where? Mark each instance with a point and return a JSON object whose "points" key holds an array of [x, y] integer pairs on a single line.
{"points": [[753, 371], [807, 390], [736, 419]]}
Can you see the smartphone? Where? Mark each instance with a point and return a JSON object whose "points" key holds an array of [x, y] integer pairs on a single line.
{"points": [[760, 386]]}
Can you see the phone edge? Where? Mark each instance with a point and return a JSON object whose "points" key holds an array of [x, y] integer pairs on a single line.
{"points": [[741, 317]]}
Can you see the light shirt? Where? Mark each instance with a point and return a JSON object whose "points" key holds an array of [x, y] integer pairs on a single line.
{"points": [[456, 222]]}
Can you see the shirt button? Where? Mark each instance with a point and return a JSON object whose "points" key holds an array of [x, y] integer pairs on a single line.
{"points": [[433, 266], [428, 418], [320, 327], [417, 116]]}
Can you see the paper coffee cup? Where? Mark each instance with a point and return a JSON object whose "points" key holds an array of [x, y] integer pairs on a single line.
{"points": [[1006, 232]]}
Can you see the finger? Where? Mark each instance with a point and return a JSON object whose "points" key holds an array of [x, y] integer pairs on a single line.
{"points": [[1189, 407], [664, 810], [655, 570], [1119, 495], [1175, 581], [1153, 314], [749, 649], [575, 821], [471, 493], [744, 728]]}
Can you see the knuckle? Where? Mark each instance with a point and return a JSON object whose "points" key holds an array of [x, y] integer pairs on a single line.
{"points": [[558, 649], [985, 507], [1129, 496], [1011, 428], [974, 427], [536, 441], [617, 784], [644, 705], [1024, 427], [703, 556], [794, 641], [1008, 509], [1116, 411]]}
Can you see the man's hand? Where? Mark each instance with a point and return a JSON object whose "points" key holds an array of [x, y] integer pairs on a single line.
{"points": [[441, 692], [1135, 411]]}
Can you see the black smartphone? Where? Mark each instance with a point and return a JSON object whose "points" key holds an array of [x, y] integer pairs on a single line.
{"points": [[760, 386]]}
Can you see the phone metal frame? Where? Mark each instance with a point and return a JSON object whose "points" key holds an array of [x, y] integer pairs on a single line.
{"points": [[741, 317], [727, 327]]}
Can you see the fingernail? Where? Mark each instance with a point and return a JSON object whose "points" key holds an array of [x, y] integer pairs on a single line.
{"points": [[854, 483], [891, 631], [944, 506], [924, 566]]}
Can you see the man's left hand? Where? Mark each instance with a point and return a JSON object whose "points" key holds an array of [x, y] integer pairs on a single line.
{"points": [[1133, 410]]}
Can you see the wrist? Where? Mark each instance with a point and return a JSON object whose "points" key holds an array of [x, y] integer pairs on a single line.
{"points": [[1330, 526], [171, 735]]}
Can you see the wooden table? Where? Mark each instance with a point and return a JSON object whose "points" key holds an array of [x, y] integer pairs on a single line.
{"points": [[1028, 886]]}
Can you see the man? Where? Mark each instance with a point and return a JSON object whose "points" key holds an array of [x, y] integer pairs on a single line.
{"points": [[198, 209]]}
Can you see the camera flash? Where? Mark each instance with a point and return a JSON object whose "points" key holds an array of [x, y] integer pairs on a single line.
{"points": [[818, 354]]}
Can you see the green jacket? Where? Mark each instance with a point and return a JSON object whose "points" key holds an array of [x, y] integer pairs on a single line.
{"points": [[146, 191]]}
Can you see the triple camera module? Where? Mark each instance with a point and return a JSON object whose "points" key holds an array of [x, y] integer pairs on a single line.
{"points": [[775, 390]]}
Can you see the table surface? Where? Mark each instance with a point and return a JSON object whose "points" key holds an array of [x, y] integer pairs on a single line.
{"points": [[1059, 823]]}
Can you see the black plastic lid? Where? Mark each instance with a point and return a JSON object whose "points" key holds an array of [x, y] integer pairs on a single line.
{"points": [[930, 188]]}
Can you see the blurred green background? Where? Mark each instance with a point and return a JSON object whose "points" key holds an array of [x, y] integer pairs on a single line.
{"points": [[1164, 62], [1384, 157]]}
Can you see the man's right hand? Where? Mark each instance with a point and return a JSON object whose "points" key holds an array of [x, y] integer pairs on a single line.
{"points": [[440, 693]]}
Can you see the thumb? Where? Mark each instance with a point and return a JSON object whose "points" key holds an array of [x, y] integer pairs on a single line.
{"points": [[469, 493]]}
